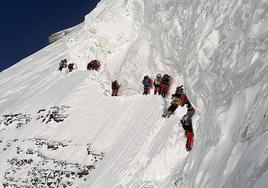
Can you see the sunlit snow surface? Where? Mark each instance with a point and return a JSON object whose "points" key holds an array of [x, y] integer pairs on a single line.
{"points": [[67, 122]]}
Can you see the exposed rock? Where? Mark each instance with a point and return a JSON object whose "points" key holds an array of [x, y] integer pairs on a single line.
{"points": [[31, 168], [19, 119], [56, 36], [55, 113]]}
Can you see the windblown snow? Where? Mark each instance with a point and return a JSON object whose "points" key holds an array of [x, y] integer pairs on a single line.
{"points": [[60, 129]]}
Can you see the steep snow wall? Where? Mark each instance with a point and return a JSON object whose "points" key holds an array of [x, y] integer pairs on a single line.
{"points": [[220, 48], [223, 55]]}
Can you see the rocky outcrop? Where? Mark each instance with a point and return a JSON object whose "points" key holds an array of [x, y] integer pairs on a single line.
{"points": [[32, 165], [54, 114], [56, 36]]}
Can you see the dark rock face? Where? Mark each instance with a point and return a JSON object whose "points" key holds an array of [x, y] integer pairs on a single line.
{"points": [[38, 162], [32, 168], [96, 156], [19, 119], [55, 113], [56, 36], [9, 143]]}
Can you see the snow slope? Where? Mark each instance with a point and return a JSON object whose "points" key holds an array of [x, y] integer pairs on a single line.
{"points": [[217, 49]]}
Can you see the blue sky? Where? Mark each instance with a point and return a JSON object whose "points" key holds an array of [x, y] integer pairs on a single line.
{"points": [[26, 24]]}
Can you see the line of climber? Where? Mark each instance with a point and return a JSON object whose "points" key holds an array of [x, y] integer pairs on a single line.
{"points": [[161, 84], [92, 65], [161, 87], [179, 98]]}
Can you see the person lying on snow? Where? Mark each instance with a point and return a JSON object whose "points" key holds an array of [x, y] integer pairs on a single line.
{"points": [[147, 84], [176, 101], [157, 84], [115, 88], [94, 65]]}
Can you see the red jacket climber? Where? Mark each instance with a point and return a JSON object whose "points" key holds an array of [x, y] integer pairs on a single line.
{"points": [[115, 88], [93, 65], [186, 120], [165, 83]]}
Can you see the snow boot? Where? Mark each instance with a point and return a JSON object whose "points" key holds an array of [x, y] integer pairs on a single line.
{"points": [[166, 114]]}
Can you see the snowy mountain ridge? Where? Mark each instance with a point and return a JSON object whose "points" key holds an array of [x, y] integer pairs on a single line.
{"points": [[63, 129]]}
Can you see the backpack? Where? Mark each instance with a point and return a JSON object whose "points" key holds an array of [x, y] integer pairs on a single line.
{"points": [[98, 63], [114, 84], [165, 79], [89, 66], [146, 81], [63, 63], [157, 80], [71, 66]]}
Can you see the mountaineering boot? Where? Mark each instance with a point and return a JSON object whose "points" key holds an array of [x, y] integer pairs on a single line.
{"points": [[168, 114], [164, 114]]}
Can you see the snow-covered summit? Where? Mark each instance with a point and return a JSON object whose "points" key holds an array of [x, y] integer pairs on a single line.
{"points": [[64, 129]]}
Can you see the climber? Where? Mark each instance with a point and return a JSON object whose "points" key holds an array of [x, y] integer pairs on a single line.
{"points": [[62, 64], [157, 84], [178, 92], [93, 65], [173, 106], [147, 83], [71, 67], [186, 120], [115, 87], [166, 81]]}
